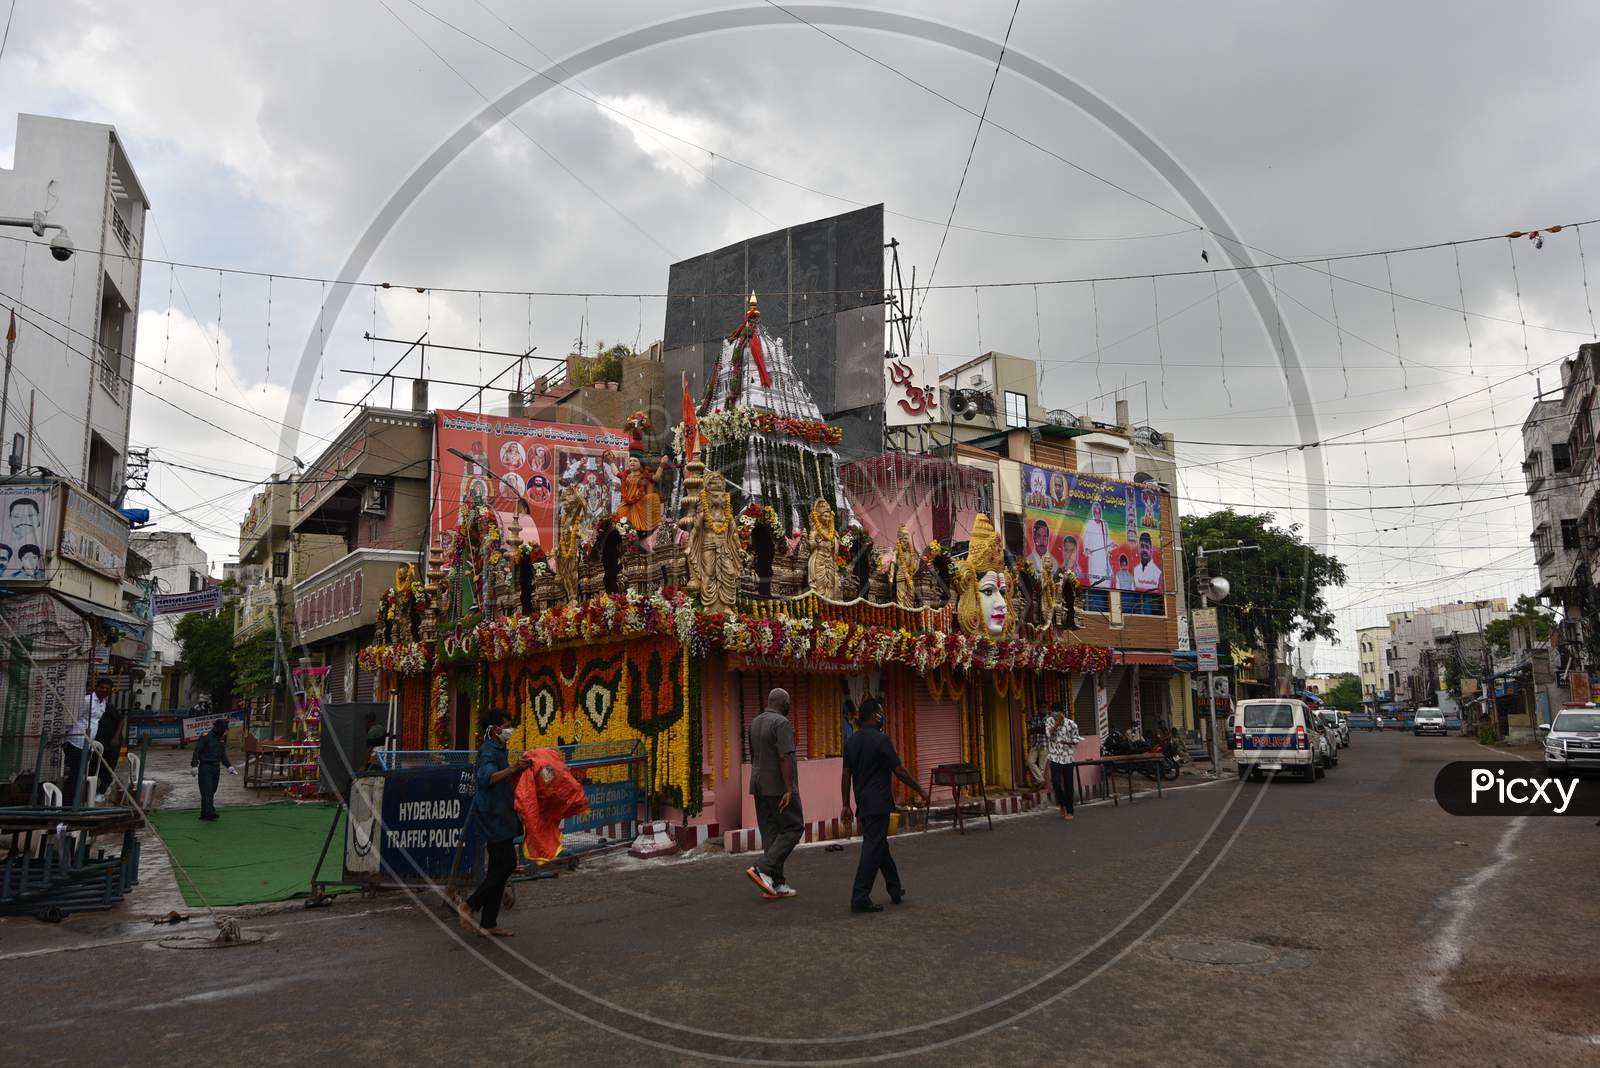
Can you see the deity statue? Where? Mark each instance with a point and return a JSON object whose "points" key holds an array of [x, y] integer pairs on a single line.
{"points": [[570, 524], [641, 503], [822, 560], [1049, 596], [715, 558], [983, 582], [905, 570]]}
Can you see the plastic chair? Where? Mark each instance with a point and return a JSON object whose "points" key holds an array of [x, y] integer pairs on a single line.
{"points": [[52, 794], [91, 773]]}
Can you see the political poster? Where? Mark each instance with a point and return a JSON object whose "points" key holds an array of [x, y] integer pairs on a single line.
{"points": [[520, 466], [1106, 532], [27, 530]]}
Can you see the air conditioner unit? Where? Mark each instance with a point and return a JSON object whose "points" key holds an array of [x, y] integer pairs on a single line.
{"points": [[375, 501]]}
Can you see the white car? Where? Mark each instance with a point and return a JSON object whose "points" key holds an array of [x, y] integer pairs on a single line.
{"points": [[1338, 727], [1277, 734], [1572, 739], [1428, 721]]}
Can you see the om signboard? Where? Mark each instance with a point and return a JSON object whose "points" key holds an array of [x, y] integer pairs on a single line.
{"points": [[1108, 533]]}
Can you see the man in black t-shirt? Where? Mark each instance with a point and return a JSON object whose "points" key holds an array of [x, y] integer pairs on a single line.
{"points": [[869, 762]]}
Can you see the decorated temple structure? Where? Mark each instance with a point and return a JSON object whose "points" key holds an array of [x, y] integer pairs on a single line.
{"points": [[757, 577]]}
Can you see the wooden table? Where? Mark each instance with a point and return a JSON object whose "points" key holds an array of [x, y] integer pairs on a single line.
{"points": [[956, 776], [1114, 764]]}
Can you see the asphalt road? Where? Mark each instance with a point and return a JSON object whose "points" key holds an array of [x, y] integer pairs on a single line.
{"points": [[1385, 931]]}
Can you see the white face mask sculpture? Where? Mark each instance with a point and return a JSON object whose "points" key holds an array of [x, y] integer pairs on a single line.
{"points": [[992, 602]]}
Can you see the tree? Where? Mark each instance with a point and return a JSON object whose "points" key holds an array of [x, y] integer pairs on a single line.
{"points": [[1278, 586], [206, 644], [1345, 694], [1528, 616], [255, 666]]}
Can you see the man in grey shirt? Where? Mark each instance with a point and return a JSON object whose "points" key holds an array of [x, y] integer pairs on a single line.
{"points": [[773, 784]]}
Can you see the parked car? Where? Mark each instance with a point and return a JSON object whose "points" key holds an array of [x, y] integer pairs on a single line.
{"points": [[1452, 723], [1363, 721], [1329, 738], [1338, 730], [1279, 734], [1572, 739], [1428, 721]]}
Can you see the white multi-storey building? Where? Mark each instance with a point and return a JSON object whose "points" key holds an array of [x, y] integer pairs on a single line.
{"points": [[177, 565]]}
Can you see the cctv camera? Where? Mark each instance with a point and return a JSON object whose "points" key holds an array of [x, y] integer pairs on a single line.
{"points": [[61, 247]]}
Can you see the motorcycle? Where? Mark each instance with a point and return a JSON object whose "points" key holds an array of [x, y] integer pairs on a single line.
{"points": [[1135, 743]]}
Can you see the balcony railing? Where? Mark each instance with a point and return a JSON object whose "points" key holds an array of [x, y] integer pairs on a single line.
{"points": [[124, 232], [111, 372]]}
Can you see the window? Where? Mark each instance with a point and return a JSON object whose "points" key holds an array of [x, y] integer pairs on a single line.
{"points": [[1016, 410], [1569, 533], [194, 581], [1560, 458], [111, 335], [280, 565], [105, 468]]}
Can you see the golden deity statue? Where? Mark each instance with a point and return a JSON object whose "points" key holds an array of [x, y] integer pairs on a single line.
{"points": [[822, 558], [715, 557]]}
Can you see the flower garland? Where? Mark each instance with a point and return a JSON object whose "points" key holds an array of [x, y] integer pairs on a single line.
{"points": [[439, 704], [753, 514], [534, 554], [670, 612], [400, 658], [733, 424]]}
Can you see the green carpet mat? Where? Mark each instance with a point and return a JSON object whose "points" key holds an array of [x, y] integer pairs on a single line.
{"points": [[254, 853]]}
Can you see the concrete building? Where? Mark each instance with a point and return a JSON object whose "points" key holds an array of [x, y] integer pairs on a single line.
{"points": [[1149, 688], [1372, 645], [177, 565], [67, 391], [73, 609], [369, 493], [1006, 389], [1414, 664]]}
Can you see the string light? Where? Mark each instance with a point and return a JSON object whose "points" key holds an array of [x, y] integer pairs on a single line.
{"points": [[1516, 286], [1461, 289], [1394, 317], [1583, 265], [1338, 332]]}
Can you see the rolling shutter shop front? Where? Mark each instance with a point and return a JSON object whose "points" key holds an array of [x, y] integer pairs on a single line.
{"points": [[938, 730]]}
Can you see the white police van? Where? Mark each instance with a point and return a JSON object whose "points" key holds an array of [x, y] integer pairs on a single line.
{"points": [[1278, 734]]}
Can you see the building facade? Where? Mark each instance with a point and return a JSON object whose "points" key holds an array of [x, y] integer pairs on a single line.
{"points": [[1372, 644], [176, 565]]}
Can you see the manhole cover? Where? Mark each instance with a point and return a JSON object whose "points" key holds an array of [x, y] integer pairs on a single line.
{"points": [[1220, 952]]}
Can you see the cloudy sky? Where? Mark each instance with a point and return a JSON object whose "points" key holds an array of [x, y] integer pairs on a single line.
{"points": [[269, 136]]}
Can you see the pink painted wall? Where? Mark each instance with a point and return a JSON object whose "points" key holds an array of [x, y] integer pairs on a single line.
{"points": [[819, 791]]}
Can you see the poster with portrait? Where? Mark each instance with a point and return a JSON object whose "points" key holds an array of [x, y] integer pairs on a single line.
{"points": [[27, 531], [1106, 532], [520, 466]]}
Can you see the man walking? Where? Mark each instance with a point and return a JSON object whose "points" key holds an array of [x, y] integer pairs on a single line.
{"points": [[773, 782], [869, 761], [1062, 737]]}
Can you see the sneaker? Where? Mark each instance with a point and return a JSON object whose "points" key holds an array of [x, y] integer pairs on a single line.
{"points": [[784, 890], [761, 880]]}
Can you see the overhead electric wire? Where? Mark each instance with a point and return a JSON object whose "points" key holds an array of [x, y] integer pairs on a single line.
{"points": [[972, 148]]}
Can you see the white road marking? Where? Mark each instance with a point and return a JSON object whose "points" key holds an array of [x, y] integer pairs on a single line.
{"points": [[1457, 906]]}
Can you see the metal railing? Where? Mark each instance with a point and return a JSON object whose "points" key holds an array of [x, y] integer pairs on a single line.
{"points": [[111, 372]]}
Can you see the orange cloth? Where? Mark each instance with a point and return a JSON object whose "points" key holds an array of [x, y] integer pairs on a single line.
{"points": [[546, 794]]}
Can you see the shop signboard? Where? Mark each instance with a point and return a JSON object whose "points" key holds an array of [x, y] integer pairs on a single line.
{"points": [[27, 531], [1206, 659], [93, 534], [519, 468], [1107, 533], [1206, 633], [202, 601]]}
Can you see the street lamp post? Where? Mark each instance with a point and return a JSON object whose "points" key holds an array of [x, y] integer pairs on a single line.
{"points": [[1212, 590]]}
